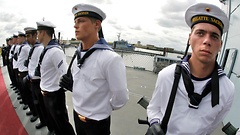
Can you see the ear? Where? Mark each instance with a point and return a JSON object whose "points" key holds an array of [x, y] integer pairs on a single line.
{"points": [[189, 38], [220, 46], [98, 23]]}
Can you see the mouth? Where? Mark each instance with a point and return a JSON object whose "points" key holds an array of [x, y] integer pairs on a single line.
{"points": [[205, 51]]}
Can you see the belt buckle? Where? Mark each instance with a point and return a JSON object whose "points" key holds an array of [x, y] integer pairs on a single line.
{"points": [[82, 118]]}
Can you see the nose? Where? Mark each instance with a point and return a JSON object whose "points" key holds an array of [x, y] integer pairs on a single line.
{"points": [[207, 40], [75, 26]]}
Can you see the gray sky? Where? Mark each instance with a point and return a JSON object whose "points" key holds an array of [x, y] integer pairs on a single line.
{"points": [[156, 22]]}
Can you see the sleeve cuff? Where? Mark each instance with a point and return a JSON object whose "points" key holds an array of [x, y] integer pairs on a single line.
{"points": [[154, 121]]}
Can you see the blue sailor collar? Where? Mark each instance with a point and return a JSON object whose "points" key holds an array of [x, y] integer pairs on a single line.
{"points": [[52, 43], [100, 44], [37, 44], [25, 42], [186, 67]]}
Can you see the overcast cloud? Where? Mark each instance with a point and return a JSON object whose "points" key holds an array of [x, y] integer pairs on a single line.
{"points": [[155, 22]]}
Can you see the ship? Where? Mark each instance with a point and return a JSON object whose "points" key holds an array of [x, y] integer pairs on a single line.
{"points": [[122, 44]]}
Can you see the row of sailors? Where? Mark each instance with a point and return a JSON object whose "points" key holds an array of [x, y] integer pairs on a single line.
{"points": [[99, 83], [36, 66], [24, 56]]}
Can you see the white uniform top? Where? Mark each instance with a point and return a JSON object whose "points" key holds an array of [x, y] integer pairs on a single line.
{"points": [[238, 132], [22, 56], [100, 85], [53, 66], [10, 54], [15, 51], [33, 62], [185, 120]]}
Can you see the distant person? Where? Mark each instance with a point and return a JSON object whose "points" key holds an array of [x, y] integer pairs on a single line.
{"points": [[52, 65], [4, 52], [13, 76], [98, 75], [204, 94], [9, 61]]}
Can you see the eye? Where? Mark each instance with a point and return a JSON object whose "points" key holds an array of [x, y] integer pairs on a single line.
{"points": [[199, 33], [215, 36], [79, 20]]}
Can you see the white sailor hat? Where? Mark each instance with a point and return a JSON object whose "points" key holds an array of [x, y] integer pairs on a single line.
{"points": [[21, 33], [45, 25], [29, 29], [15, 35], [88, 10], [207, 13]]}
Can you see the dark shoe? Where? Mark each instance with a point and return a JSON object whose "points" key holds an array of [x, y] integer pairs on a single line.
{"points": [[40, 125], [15, 88], [34, 118], [25, 107], [16, 91], [29, 113], [18, 98], [20, 102], [51, 133]]}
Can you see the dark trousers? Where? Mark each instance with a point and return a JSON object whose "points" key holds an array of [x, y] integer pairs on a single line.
{"points": [[92, 127], [15, 71], [26, 93], [55, 104], [11, 73], [39, 104]]}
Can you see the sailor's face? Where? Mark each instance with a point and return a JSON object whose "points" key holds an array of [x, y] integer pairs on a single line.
{"points": [[205, 40], [14, 40], [30, 39], [40, 36], [84, 27], [21, 39]]}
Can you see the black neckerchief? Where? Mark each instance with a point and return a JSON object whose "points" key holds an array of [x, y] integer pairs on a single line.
{"points": [[50, 45], [212, 85], [100, 44], [24, 43]]}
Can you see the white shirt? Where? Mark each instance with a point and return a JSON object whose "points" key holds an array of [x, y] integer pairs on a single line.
{"points": [[22, 56], [10, 52], [15, 52], [100, 85], [238, 132], [185, 120], [33, 62], [53, 66]]}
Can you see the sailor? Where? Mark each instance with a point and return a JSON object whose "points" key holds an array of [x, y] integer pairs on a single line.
{"points": [[11, 54], [52, 65], [204, 93], [9, 61], [4, 52], [98, 75], [31, 63], [20, 40], [26, 93]]}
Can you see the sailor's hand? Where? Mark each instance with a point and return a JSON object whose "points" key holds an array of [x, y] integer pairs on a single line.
{"points": [[26, 80], [155, 129], [66, 82]]}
